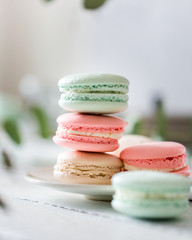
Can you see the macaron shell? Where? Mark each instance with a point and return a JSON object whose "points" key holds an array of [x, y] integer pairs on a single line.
{"points": [[92, 78], [159, 164], [151, 181], [158, 209], [93, 107], [86, 158], [184, 171], [86, 120], [153, 150], [84, 146]]}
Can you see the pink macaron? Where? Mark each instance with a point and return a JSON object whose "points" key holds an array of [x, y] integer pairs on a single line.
{"points": [[92, 133], [156, 156]]}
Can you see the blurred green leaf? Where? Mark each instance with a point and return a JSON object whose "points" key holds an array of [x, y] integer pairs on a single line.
{"points": [[138, 127], [93, 4], [6, 160], [42, 119], [160, 119], [11, 127], [10, 107]]}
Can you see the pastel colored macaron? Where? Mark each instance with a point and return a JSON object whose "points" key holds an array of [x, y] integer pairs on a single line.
{"points": [[156, 156], [92, 133], [130, 140], [77, 167], [94, 93], [147, 194]]}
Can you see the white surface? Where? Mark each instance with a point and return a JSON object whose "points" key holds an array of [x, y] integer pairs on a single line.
{"points": [[41, 213]]}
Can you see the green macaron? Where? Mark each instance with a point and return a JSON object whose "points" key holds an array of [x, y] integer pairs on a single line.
{"points": [[148, 194], [94, 93]]}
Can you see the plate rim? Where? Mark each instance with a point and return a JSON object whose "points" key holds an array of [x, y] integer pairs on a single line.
{"points": [[30, 177]]}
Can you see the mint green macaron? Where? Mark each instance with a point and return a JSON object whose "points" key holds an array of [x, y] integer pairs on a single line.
{"points": [[94, 93], [149, 194]]}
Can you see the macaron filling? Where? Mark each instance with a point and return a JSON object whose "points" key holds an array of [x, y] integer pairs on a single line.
{"points": [[133, 168], [130, 194], [85, 139], [90, 134], [94, 132], [92, 171], [185, 171], [94, 97], [109, 88]]}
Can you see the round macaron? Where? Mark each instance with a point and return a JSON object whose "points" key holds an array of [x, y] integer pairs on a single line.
{"points": [[86, 168], [92, 133], [94, 93], [149, 194], [156, 156]]}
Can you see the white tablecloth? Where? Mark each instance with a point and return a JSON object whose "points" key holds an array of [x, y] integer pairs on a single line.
{"points": [[35, 212]]}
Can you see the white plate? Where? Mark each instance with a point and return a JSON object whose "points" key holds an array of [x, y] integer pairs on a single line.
{"points": [[44, 177]]}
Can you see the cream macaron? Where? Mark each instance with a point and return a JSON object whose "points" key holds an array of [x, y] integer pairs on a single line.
{"points": [[130, 140], [75, 167]]}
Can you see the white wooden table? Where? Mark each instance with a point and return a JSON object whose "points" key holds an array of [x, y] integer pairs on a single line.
{"points": [[35, 212]]}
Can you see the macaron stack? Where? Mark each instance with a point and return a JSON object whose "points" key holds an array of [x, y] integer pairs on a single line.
{"points": [[87, 97], [146, 188]]}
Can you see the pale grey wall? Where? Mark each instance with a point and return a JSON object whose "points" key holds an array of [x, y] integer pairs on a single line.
{"points": [[147, 41]]}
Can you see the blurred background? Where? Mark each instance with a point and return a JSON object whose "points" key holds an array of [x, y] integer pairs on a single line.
{"points": [[149, 42]]}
